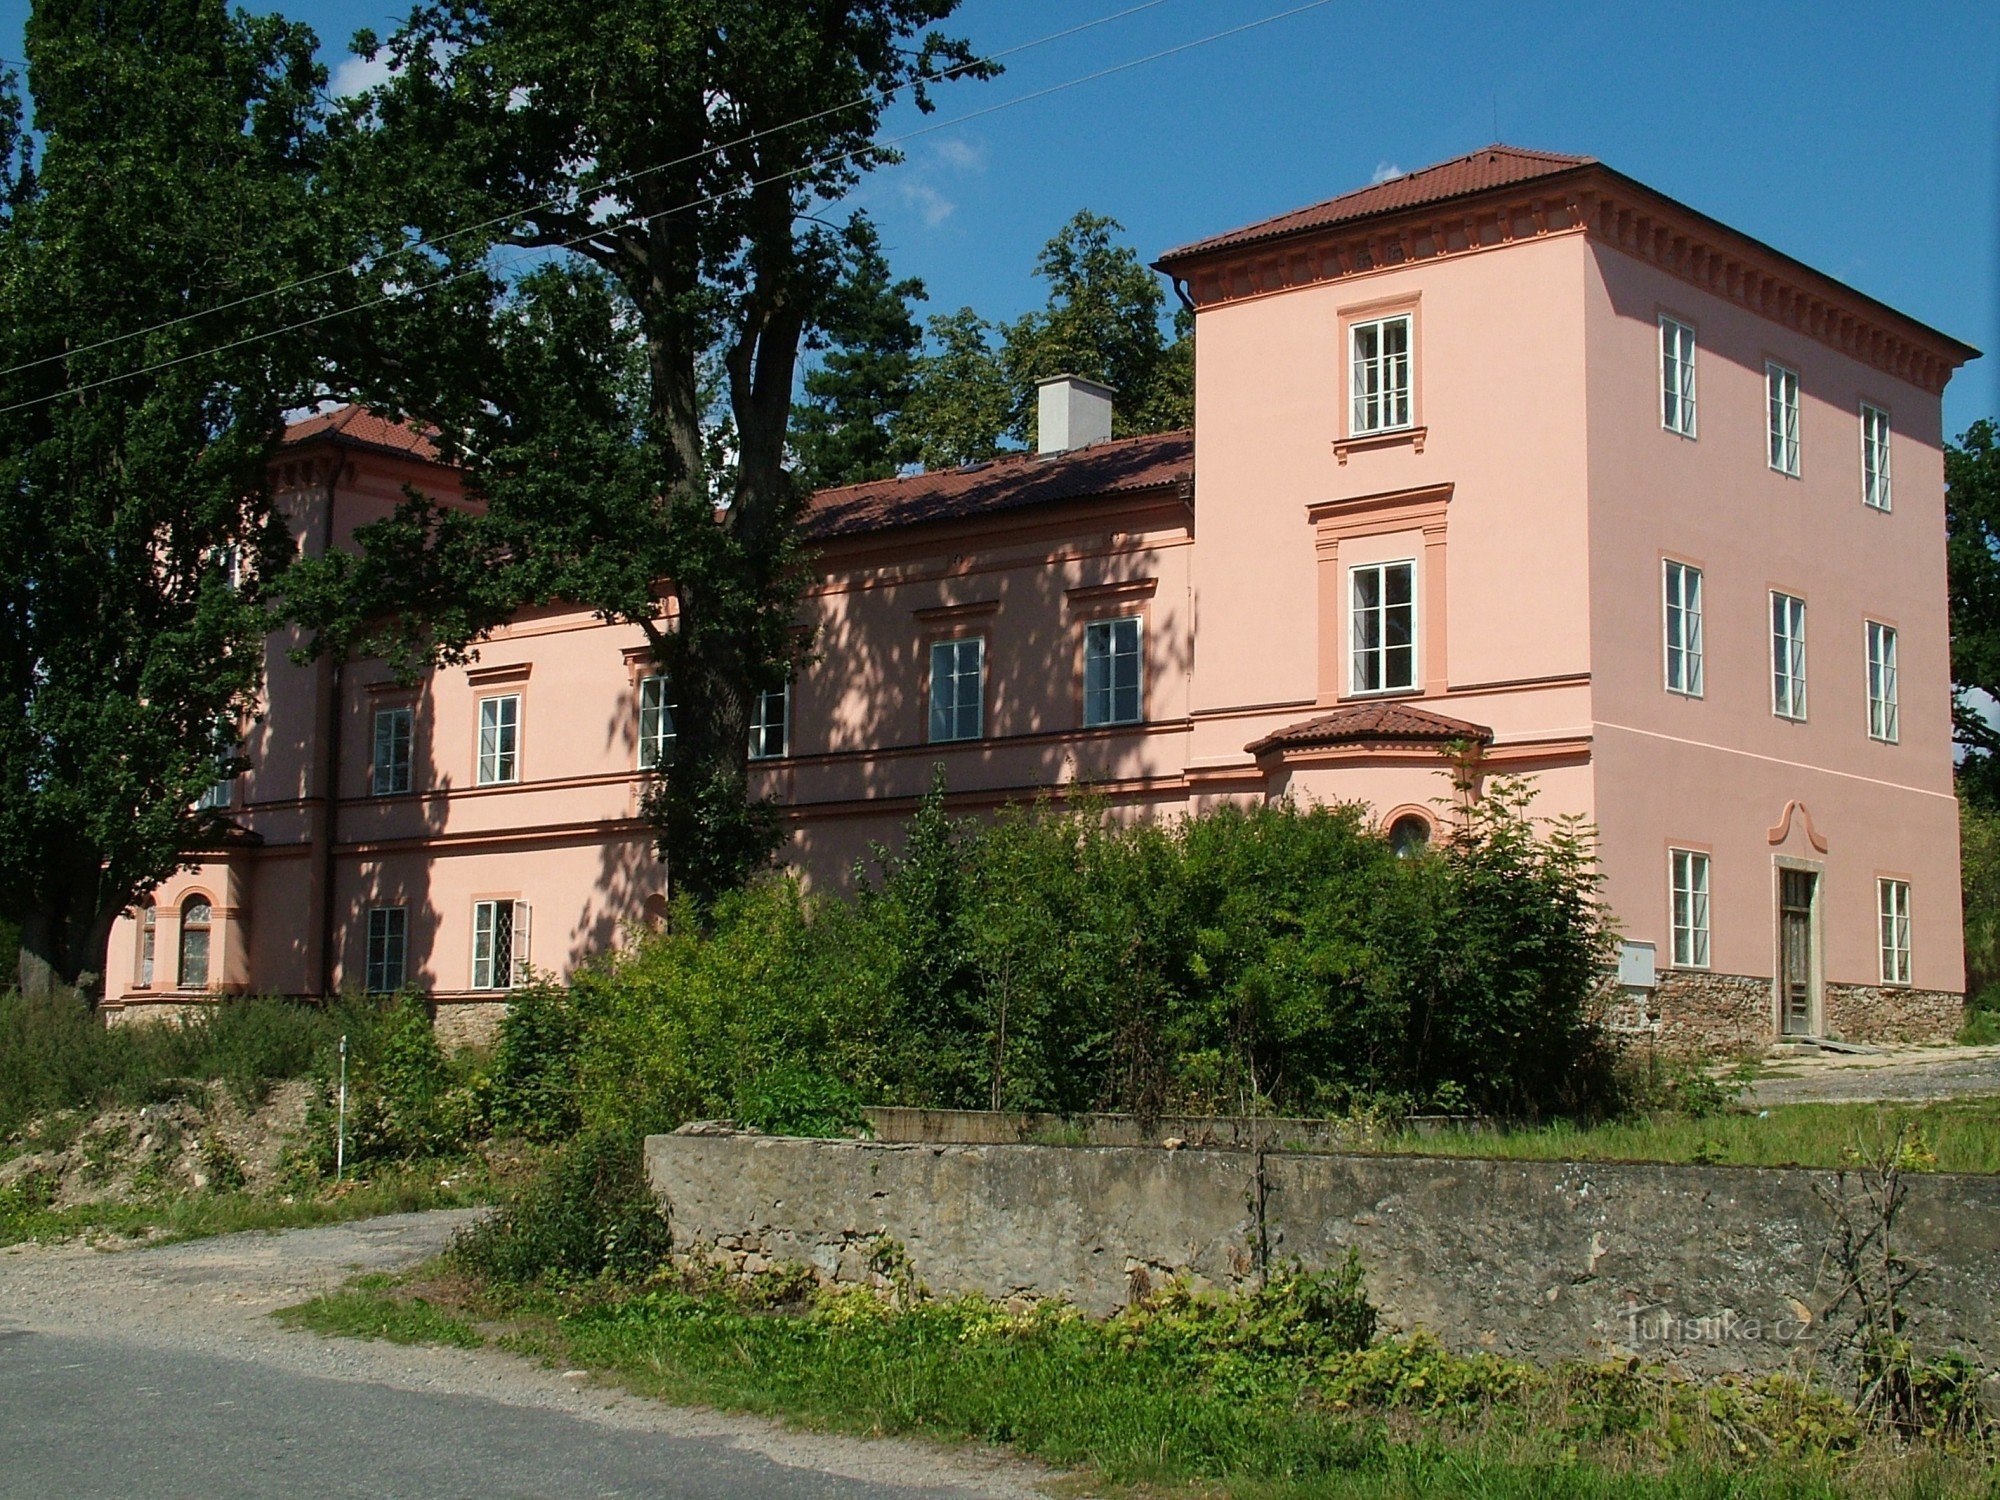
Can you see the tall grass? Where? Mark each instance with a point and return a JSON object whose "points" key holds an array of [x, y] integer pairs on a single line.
{"points": [[56, 1054]]}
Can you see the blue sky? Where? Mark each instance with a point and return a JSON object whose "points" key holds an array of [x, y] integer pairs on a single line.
{"points": [[1863, 139]]}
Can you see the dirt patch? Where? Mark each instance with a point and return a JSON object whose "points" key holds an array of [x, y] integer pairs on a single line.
{"points": [[206, 1140]]}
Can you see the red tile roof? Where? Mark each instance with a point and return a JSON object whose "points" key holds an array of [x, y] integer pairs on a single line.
{"points": [[1121, 466], [1495, 166], [1372, 724], [358, 425]]}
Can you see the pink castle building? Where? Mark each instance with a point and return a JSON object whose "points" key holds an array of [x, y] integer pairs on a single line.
{"points": [[1509, 466]]}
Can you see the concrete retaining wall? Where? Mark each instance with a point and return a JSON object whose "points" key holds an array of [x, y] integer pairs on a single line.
{"points": [[1717, 1268]]}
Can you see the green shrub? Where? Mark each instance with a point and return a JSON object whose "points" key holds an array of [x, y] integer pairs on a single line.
{"points": [[790, 1098], [591, 1214], [406, 1100], [534, 1065]]}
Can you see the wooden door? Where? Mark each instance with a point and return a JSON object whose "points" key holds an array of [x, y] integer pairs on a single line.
{"points": [[1795, 949]]}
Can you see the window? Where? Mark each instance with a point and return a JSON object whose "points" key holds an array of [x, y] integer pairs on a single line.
{"points": [[1683, 624], [1894, 902], [1874, 456], [149, 929], [1383, 628], [1676, 377], [388, 935], [499, 740], [1783, 388], [1410, 834], [195, 918], [1690, 913], [392, 751], [1112, 672], [1788, 656], [215, 798], [1882, 723], [499, 944], [771, 724], [1381, 374], [958, 698], [656, 724]]}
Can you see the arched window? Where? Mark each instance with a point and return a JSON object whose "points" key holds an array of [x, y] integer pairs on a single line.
{"points": [[654, 913], [1409, 834], [149, 926], [195, 917]]}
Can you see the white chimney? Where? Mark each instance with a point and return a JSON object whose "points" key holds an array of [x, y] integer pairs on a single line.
{"points": [[1072, 412]]}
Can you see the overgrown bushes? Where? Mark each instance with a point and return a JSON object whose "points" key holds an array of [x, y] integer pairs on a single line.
{"points": [[1280, 958]]}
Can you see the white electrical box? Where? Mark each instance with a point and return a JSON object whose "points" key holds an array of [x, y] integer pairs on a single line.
{"points": [[1635, 966]]}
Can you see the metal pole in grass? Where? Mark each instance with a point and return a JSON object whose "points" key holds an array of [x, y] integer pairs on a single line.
{"points": [[340, 1118]]}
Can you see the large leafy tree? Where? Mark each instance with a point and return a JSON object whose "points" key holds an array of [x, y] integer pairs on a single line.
{"points": [[624, 413], [1972, 528], [975, 389], [174, 149]]}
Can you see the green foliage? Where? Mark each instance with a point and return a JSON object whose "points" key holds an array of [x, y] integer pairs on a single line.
{"points": [[1274, 959], [176, 151], [1972, 550], [591, 1214], [406, 1100], [56, 1055], [975, 387], [534, 1065], [1979, 875], [360, 1314]]}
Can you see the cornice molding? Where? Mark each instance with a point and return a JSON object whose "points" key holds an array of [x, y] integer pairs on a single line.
{"points": [[1619, 213]]}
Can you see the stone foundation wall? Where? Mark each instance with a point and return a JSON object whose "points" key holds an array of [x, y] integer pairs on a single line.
{"points": [[1695, 1011], [467, 1023], [1714, 1268], [1892, 1013], [142, 1012]]}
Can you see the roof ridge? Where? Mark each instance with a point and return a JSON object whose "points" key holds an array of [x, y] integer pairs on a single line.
{"points": [[1011, 458]]}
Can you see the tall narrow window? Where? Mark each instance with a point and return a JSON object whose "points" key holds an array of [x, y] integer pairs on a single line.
{"points": [[1874, 456], [499, 740], [1782, 388], [196, 915], [1112, 672], [219, 793], [391, 770], [388, 947], [1382, 628], [149, 931], [1882, 716], [499, 944], [958, 696], [1380, 374], [656, 724], [771, 724], [1676, 377], [215, 798], [1894, 901], [1788, 656], [1690, 913], [1683, 622]]}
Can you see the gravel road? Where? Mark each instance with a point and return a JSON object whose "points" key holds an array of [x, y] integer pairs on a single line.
{"points": [[159, 1372]]}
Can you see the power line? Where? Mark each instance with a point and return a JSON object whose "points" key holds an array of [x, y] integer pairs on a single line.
{"points": [[871, 96], [834, 160]]}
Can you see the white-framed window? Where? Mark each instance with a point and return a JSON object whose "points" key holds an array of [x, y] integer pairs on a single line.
{"points": [[390, 773], [1874, 456], [1682, 605], [1782, 399], [958, 689], [1883, 720], [388, 949], [1689, 878], [1380, 372], [1382, 627], [1893, 902], [771, 724], [656, 723], [1788, 656], [215, 797], [197, 919], [1676, 376], [499, 944], [1113, 671], [499, 739], [149, 932]]}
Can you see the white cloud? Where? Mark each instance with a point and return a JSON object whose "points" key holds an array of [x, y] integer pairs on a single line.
{"points": [[1386, 171], [931, 205], [960, 156], [357, 75]]}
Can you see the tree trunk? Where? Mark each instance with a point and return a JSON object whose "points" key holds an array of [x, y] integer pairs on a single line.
{"points": [[60, 953]]}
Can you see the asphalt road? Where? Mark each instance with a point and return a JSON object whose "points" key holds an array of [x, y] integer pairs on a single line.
{"points": [[158, 1373]]}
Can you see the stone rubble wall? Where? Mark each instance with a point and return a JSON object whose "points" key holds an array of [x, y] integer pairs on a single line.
{"points": [[1714, 1268]]}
